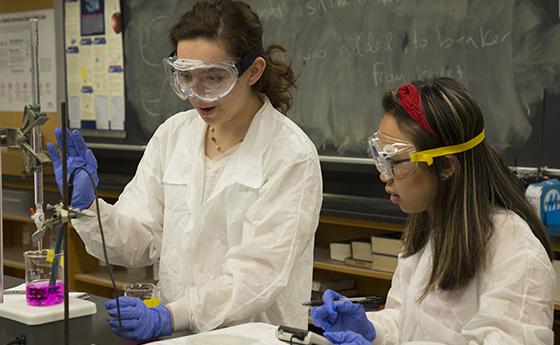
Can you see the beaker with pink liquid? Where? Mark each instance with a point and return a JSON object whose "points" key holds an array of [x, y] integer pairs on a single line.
{"points": [[44, 277]]}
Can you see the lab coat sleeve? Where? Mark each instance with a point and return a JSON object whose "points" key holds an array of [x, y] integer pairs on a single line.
{"points": [[278, 228], [386, 321], [133, 225]]}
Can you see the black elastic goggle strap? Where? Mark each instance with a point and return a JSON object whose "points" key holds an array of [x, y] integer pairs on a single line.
{"points": [[248, 59], [242, 64]]}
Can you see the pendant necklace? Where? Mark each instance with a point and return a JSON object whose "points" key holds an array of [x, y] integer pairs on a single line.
{"points": [[218, 147]]}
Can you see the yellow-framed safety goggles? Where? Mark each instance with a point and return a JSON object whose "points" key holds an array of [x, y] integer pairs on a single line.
{"points": [[395, 158]]}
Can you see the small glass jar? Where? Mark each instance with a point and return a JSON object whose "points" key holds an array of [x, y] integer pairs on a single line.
{"points": [[147, 292], [44, 277]]}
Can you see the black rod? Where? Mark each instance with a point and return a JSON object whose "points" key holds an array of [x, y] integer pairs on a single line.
{"points": [[64, 230]]}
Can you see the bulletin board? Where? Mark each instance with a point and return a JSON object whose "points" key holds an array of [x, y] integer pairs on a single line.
{"points": [[94, 67]]}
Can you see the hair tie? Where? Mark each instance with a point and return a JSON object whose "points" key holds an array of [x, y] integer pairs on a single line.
{"points": [[410, 101]]}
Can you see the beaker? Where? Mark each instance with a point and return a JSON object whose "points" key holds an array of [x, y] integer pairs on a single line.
{"points": [[147, 292], [44, 277]]}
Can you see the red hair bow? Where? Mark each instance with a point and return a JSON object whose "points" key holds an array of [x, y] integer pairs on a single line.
{"points": [[410, 101]]}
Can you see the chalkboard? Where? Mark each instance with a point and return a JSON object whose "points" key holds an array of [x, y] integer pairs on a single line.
{"points": [[347, 53]]}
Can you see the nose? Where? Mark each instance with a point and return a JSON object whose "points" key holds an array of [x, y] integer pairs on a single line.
{"points": [[384, 178]]}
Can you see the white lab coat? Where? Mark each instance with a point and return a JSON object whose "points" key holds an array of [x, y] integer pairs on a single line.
{"points": [[246, 254], [509, 302]]}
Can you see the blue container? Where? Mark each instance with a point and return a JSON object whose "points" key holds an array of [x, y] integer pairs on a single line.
{"points": [[545, 197]]}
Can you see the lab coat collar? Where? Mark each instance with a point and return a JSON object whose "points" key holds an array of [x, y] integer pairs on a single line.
{"points": [[246, 164]]}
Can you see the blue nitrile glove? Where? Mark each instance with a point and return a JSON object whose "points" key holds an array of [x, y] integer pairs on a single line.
{"points": [[334, 316], [78, 156], [139, 323], [346, 338]]}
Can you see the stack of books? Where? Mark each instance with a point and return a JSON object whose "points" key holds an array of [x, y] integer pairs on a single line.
{"points": [[361, 254], [380, 252], [339, 251], [386, 249]]}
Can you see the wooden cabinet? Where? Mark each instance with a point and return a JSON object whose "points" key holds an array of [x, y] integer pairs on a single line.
{"points": [[333, 229]]}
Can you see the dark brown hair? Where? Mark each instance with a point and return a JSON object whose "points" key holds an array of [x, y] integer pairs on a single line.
{"points": [[234, 25], [460, 225]]}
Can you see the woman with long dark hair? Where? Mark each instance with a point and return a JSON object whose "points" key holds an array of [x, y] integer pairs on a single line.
{"points": [[476, 264]]}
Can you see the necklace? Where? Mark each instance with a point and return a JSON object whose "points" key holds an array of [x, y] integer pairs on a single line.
{"points": [[218, 147]]}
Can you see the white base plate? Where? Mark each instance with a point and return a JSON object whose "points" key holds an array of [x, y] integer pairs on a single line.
{"points": [[21, 312]]}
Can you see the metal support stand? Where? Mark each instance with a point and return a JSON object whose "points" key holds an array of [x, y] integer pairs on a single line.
{"points": [[36, 140], [28, 139]]}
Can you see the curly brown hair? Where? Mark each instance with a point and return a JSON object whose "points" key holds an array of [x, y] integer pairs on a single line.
{"points": [[234, 25]]}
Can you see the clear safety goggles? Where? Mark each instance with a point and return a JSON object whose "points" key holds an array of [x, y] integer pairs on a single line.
{"points": [[395, 158], [207, 81], [391, 156]]}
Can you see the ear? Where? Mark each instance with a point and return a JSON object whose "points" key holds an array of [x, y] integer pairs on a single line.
{"points": [[450, 166], [256, 70]]}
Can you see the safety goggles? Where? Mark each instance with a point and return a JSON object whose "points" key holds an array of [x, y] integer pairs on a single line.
{"points": [[207, 81], [395, 158], [391, 156]]}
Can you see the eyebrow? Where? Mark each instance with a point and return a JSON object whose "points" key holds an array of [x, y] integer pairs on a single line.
{"points": [[226, 59], [395, 139], [392, 137]]}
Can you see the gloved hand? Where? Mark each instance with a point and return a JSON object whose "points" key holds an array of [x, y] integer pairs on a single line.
{"points": [[334, 316], [346, 338], [139, 323], [78, 156]]}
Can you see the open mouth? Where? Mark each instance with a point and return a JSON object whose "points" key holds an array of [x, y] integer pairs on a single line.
{"points": [[206, 110]]}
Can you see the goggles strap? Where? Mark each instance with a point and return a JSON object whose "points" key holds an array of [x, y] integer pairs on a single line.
{"points": [[428, 155], [412, 103], [248, 59], [245, 61]]}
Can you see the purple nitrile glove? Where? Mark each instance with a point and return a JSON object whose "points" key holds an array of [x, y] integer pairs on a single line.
{"points": [[78, 156], [139, 323], [346, 338], [335, 316]]}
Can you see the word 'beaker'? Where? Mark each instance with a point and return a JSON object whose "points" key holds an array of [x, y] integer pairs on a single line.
{"points": [[44, 277]]}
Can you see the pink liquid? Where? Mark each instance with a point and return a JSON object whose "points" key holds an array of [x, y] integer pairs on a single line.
{"points": [[41, 294]]}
